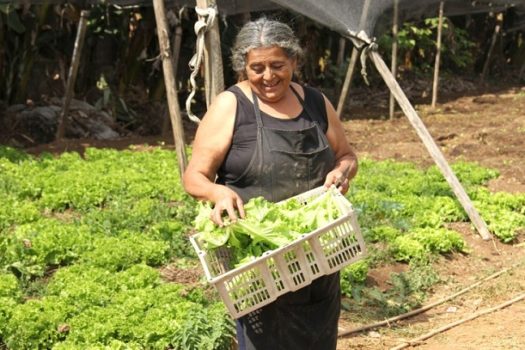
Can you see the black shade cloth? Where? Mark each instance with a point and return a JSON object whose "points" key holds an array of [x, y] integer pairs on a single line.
{"points": [[350, 17]]}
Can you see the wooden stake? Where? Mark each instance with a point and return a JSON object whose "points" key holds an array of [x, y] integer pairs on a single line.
{"points": [[177, 40], [214, 79], [499, 21], [72, 75], [169, 81], [438, 56], [341, 51], [348, 80], [393, 63], [431, 146], [353, 60], [454, 324], [340, 57]]}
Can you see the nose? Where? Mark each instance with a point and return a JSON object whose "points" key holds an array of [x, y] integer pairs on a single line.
{"points": [[268, 73]]}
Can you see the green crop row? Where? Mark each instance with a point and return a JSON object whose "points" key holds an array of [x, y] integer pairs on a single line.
{"points": [[83, 238], [82, 241]]}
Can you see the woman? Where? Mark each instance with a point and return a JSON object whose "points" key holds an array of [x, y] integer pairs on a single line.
{"points": [[268, 136]]}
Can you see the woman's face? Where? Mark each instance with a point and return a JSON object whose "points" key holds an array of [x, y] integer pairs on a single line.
{"points": [[269, 72]]}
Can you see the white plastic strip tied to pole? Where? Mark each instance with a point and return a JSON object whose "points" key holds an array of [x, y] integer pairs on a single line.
{"points": [[206, 17]]}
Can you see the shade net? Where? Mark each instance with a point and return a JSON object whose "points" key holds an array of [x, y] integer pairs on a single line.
{"points": [[348, 17], [360, 20]]}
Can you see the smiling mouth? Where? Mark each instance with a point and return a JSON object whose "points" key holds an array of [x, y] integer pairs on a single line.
{"points": [[270, 84]]}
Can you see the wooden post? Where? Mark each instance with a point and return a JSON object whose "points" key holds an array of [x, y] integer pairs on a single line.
{"points": [[499, 21], [431, 146], [72, 75], [340, 58], [169, 80], [353, 60], [348, 80], [341, 52], [214, 79], [393, 63], [438, 56], [176, 43]]}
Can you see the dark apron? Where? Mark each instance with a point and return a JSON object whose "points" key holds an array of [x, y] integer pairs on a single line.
{"points": [[286, 163]]}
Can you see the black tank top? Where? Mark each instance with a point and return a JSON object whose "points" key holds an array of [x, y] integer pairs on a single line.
{"points": [[245, 129]]}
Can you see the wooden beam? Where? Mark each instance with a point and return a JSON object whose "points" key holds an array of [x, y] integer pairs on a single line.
{"points": [[72, 75], [438, 56], [348, 80], [214, 79], [169, 81], [353, 60], [431, 146], [176, 43], [393, 63], [341, 51]]}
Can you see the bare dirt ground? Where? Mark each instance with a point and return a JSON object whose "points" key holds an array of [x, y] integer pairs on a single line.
{"points": [[488, 128], [485, 127]]}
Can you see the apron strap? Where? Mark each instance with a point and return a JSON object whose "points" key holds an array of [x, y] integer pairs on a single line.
{"points": [[305, 107], [257, 110]]}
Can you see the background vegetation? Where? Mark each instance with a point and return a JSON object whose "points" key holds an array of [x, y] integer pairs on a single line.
{"points": [[120, 71]]}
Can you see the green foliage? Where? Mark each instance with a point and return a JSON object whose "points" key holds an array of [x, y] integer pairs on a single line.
{"points": [[33, 247], [504, 213], [10, 296], [353, 277], [394, 198], [9, 286], [12, 154], [417, 44], [421, 242], [15, 211], [407, 290], [86, 306], [174, 233], [83, 235], [116, 253], [267, 225]]}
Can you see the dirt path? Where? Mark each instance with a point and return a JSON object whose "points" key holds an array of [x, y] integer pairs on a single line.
{"points": [[488, 129]]}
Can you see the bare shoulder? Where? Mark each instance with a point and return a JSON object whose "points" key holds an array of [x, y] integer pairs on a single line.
{"points": [[216, 128], [223, 106]]}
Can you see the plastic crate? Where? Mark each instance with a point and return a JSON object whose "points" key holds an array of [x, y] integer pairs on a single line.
{"points": [[259, 282]]}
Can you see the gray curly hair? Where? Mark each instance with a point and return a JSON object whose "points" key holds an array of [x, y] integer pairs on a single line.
{"points": [[263, 33]]}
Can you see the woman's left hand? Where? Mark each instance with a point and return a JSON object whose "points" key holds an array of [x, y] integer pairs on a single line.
{"points": [[339, 179]]}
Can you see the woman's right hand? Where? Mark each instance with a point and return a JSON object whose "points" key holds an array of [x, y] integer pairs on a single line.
{"points": [[226, 199]]}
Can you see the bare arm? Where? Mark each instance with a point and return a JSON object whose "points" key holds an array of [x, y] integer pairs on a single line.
{"points": [[212, 141], [346, 160]]}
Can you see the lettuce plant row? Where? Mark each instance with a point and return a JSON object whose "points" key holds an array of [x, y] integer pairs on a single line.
{"points": [[83, 238]]}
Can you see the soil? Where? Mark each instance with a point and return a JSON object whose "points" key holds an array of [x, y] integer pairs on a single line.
{"points": [[487, 127]]}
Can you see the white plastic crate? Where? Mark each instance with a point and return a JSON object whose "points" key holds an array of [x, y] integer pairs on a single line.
{"points": [[259, 282]]}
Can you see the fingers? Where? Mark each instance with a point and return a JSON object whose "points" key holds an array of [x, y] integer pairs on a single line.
{"points": [[344, 186], [230, 206], [240, 207], [339, 180], [331, 179]]}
